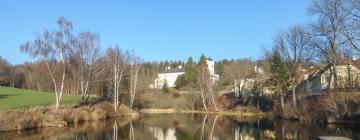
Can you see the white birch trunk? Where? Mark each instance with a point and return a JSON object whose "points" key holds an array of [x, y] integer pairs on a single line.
{"points": [[133, 84], [212, 96], [282, 101], [294, 95]]}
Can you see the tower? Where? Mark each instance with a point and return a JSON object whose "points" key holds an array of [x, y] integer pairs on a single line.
{"points": [[211, 66]]}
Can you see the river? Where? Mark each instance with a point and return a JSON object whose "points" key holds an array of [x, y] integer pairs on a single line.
{"points": [[187, 127]]}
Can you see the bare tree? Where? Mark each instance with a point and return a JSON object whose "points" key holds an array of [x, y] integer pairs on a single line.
{"points": [[53, 47], [239, 71], [203, 75], [86, 52], [210, 89], [117, 62], [331, 18], [351, 25], [134, 72], [205, 83], [295, 49]]}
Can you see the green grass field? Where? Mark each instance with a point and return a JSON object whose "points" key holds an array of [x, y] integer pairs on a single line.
{"points": [[12, 98]]}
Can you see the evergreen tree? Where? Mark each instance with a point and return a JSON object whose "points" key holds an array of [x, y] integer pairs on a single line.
{"points": [[165, 87], [202, 60], [279, 76], [189, 77], [279, 72], [190, 72], [180, 82]]}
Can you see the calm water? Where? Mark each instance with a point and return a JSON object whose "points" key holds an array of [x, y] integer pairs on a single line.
{"points": [[187, 127]]}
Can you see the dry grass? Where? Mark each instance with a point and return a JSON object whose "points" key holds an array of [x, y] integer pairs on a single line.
{"points": [[50, 117], [333, 108]]}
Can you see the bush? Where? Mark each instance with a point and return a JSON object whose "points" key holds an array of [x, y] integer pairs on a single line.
{"points": [[165, 88], [339, 108], [180, 82]]}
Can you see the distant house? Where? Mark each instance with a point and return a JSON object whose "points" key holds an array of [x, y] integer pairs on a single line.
{"points": [[243, 86], [348, 73], [170, 75]]}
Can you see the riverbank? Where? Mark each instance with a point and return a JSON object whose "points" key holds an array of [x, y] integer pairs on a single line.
{"points": [[341, 108], [225, 112], [50, 117]]}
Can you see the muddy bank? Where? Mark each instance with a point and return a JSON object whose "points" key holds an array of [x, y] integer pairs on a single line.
{"points": [[51, 117]]}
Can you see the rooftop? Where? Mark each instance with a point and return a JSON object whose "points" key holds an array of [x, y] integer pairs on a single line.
{"points": [[173, 70]]}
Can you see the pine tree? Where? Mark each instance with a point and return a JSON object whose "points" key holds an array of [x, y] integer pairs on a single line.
{"points": [[279, 76], [190, 72], [189, 77], [165, 87]]}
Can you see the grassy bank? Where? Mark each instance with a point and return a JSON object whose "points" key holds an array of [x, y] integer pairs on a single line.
{"points": [[12, 98]]}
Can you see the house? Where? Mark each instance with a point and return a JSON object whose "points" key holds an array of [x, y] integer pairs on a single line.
{"points": [[244, 86], [170, 75], [348, 73]]}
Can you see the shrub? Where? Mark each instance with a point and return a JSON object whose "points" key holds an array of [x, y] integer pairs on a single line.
{"points": [[165, 88]]}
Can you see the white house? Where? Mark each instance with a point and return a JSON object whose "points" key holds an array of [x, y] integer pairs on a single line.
{"points": [[348, 74], [170, 75]]}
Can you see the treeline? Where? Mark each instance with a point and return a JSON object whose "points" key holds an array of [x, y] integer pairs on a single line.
{"points": [[68, 63]]}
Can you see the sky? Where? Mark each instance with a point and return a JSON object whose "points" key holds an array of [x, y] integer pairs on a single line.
{"points": [[156, 29]]}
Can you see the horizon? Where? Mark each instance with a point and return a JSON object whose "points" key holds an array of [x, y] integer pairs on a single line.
{"points": [[157, 30]]}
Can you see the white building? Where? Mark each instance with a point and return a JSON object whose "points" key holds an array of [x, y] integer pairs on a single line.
{"points": [[211, 68], [170, 75]]}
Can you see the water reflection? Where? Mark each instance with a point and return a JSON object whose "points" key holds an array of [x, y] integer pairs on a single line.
{"points": [[159, 134], [187, 127]]}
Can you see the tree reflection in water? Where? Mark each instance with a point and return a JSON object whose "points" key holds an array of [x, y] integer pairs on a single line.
{"points": [[188, 127], [115, 130], [131, 135]]}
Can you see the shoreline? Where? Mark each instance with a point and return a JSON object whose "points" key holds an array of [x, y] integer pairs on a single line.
{"points": [[229, 113], [41, 117]]}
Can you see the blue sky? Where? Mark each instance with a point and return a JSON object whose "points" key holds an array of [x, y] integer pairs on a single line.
{"points": [[156, 29]]}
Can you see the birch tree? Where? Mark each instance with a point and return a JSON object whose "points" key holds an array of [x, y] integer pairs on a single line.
{"points": [[87, 53], [53, 47], [134, 72], [116, 62], [205, 83], [202, 76]]}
